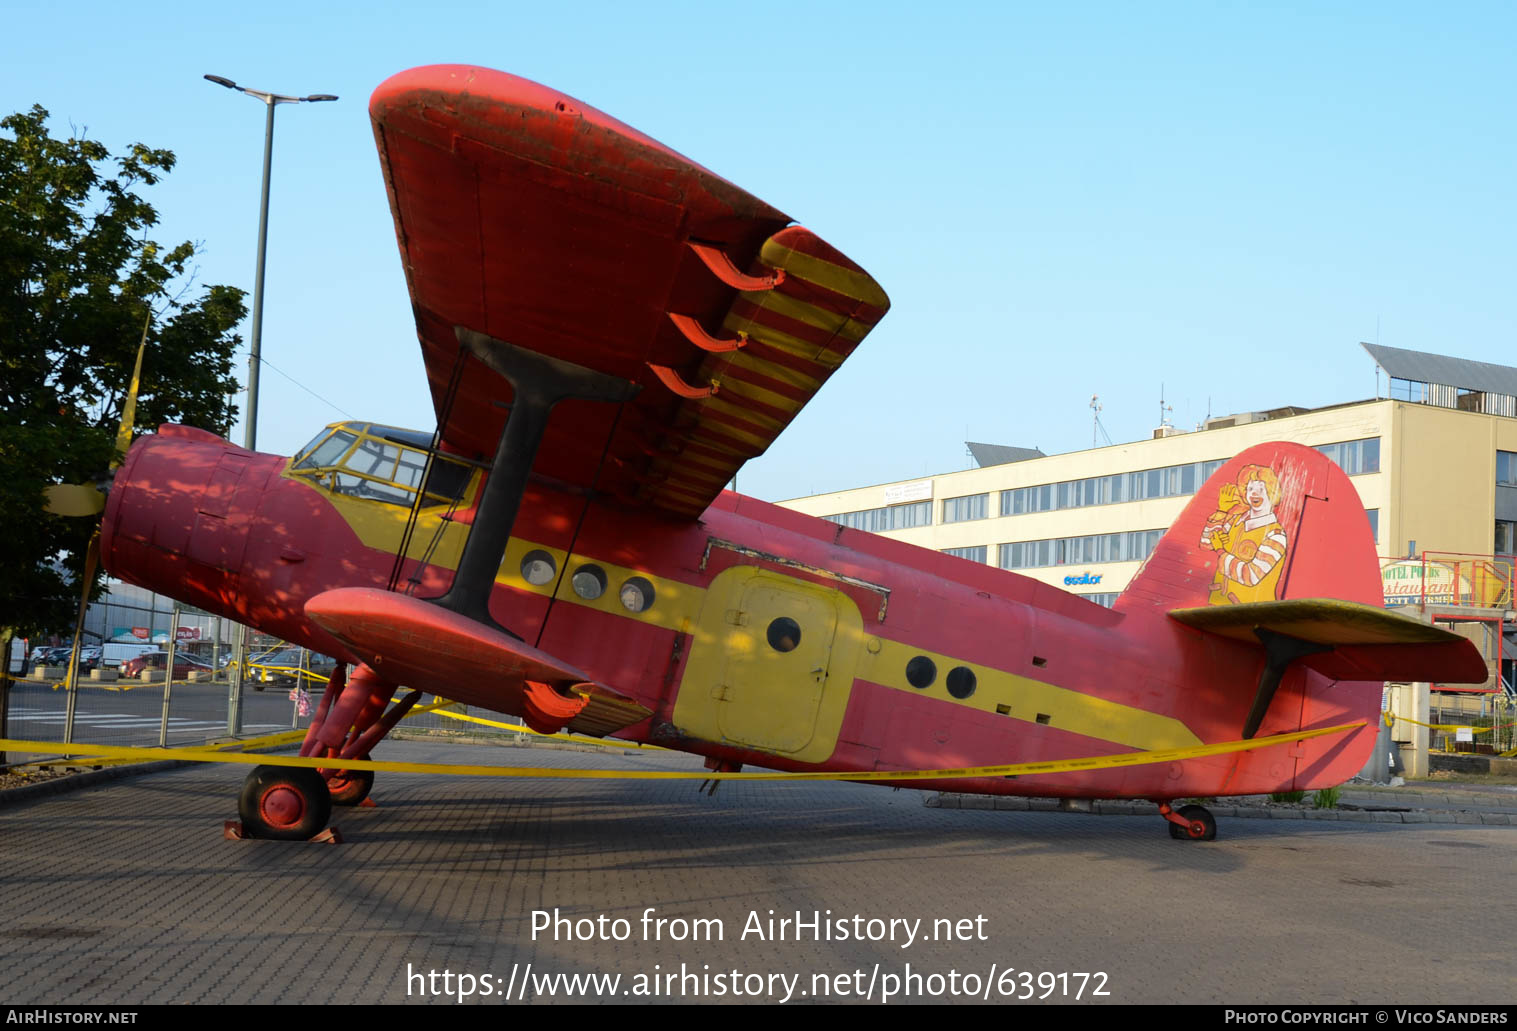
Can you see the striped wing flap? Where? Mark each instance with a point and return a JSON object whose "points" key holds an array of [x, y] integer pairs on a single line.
{"points": [[796, 335]]}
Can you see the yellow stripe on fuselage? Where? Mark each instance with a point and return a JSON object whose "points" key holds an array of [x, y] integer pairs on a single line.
{"points": [[677, 607]]}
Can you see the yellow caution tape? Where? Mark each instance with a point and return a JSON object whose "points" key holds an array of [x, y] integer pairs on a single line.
{"points": [[1390, 721], [1098, 762], [578, 739]]}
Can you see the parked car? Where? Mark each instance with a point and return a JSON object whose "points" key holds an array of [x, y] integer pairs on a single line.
{"points": [[276, 666], [184, 665]]}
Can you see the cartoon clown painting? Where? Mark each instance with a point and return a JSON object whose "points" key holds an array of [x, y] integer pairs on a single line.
{"points": [[1248, 537]]}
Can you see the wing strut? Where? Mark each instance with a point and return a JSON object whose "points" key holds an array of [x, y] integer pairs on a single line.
{"points": [[538, 382], [1280, 650]]}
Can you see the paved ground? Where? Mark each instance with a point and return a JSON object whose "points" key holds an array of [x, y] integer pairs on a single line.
{"points": [[126, 893]]}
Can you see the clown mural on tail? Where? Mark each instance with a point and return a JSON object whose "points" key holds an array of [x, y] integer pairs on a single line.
{"points": [[1247, 533]]}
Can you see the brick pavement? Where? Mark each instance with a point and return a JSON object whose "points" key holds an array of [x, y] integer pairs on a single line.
{"points": [[125, 893]]}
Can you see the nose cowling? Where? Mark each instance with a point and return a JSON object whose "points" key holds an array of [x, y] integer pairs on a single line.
{"points": [[179, 514]]}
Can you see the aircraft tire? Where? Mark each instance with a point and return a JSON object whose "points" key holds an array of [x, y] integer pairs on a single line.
{"points": [[350, 787], [1201, 824], [284, 803]]}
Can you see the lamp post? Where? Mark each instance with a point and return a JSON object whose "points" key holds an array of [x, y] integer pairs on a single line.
{"points": [[250, 433], [270, 101]]}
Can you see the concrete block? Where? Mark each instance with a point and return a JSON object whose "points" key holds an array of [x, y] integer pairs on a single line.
{"points": [[1413, 817], [149, 676], [1496, 819], [1353, 817], [1042, 805], [104, 675], [1015, 802], [50, 672], [1286, 814], [200, 676]]}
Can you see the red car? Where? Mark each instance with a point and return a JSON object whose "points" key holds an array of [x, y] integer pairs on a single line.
{"points": [[183, 664]]}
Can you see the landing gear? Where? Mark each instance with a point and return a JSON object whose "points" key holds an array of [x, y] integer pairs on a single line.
{"points": [[284, 803], [350, 787], [1190, 822]]}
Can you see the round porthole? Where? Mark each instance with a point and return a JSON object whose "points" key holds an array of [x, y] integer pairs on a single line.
{"points": [[921, 672], [637, 595], [961, 682], [538, 567], [784, 634], [589, 582]]}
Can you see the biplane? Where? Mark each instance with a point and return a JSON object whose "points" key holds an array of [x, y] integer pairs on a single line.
{"points": [[610, 331]]}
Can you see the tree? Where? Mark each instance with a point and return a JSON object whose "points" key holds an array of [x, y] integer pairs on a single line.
{"points": [[78, 279]]}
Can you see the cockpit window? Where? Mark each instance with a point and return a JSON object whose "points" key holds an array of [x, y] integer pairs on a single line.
{"points": [[325, 453], [369, 462]]}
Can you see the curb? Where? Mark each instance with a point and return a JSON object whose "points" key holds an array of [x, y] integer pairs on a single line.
{"points": [[943, 800]]}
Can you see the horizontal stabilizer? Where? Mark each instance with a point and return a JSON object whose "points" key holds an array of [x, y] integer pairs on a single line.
{"points": [[420, 645], [1361, 642]]}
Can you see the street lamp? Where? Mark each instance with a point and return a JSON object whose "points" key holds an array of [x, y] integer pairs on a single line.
{"points": [[250, 438]]}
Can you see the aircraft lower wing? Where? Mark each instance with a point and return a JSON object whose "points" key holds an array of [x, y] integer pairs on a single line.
{"points": [[1352, 641], [544, 224], [426, 647]]}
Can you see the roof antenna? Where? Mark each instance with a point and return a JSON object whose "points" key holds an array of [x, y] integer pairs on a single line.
{"points": [[1095, 408]]}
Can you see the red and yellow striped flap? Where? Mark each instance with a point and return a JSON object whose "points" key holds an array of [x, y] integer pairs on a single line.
{"points": [[796, 335]]}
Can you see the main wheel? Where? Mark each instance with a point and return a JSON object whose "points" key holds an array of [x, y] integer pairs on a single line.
{"points": [[284, 803], [1200, 824], [350, 787]]}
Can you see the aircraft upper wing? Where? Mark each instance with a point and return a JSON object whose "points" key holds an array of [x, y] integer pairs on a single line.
{"points": [[538, 221]]}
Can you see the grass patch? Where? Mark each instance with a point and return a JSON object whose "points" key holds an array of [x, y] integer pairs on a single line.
{"points": [[1326, 798], [1288, 796]]}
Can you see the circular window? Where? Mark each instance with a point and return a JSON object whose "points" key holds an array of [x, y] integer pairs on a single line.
{"points": [[784, 634], [589, 582], [961, 682], [637, 595], [538, 567], [921, 672]]}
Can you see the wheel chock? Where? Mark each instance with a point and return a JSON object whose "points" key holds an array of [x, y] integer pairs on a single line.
{"points": [[232, 830], [368, 803]]}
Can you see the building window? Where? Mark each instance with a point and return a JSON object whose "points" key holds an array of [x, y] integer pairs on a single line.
{"points": [[1106, 601], [959, 510], [1506, 468], [1132, 546], [979, 554], [892, 517], [1355, 456], [1169, 482], [1506, 537], [1374, 514]]}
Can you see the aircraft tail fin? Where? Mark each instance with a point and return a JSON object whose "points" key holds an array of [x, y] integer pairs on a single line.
{"points": [[1278, 522]]}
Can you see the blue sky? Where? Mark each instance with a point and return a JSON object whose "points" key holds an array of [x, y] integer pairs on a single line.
{"points": [[1213, 200]]}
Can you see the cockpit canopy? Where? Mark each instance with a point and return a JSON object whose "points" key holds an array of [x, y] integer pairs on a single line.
{"points": [[380, 463]]}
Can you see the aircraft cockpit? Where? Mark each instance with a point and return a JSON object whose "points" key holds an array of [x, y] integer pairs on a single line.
{"points": [[380, 463]]}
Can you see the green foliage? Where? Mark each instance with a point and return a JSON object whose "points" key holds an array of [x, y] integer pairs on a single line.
{"points": [[1326, 798], [78, 278], [1287, 796]]}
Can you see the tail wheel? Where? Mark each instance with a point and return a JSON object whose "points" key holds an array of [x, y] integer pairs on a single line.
{"points": [[350, 787], [1200, 824], [284, 803]]}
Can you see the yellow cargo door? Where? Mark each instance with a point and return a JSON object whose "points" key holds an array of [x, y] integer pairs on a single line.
{"points": [[772, 665]]}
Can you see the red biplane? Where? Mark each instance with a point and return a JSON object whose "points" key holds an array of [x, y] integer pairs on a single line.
{"points": [[610, 331]]}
